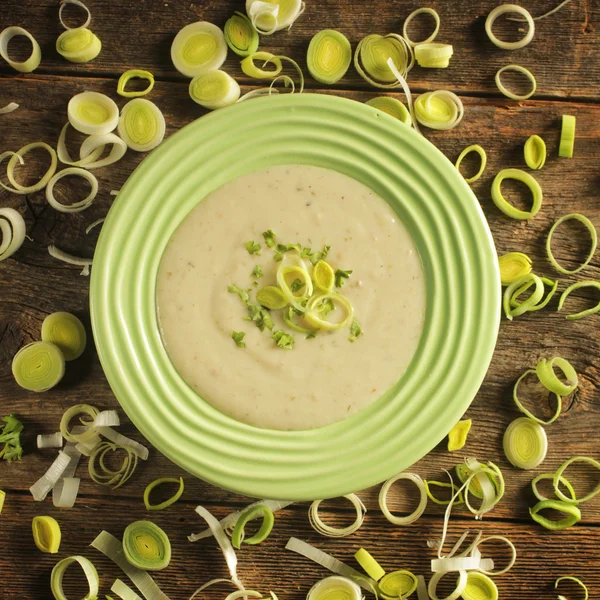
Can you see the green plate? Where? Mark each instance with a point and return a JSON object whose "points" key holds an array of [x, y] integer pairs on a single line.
{"points": [[462, 284]]}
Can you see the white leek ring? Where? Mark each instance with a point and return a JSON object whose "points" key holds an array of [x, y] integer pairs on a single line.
{"points": [[18, 157], [440, 110], [89, 570], [63, 3], [413, 14], [417, 512], [198, 48], [328, 531], [95, 142], [13, 230], [215, 89], [134, 74], [517, 69], [373, 54], [65, 157], [34, 59], [141, 125], [77, 206], [504, 9], [460, 586], [482, 161], [78, 45], [93, 113]]}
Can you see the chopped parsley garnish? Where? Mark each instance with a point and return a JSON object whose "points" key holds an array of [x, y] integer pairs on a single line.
{"points": [[297, 285], [238, 338], [283, 340], [269, 238], [311, 335], [253, 247], [243, 294], [340, 275], [355, 330], [257, 271], [321, 255], [10, 436], [307, 253], [260, 316], [281, 249], [325, 307]]}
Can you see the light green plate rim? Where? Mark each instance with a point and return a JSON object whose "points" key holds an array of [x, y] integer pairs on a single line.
{"points": [[462, 282]]}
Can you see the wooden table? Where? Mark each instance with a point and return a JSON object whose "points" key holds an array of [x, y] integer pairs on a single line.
{"points": [[563, 56]]}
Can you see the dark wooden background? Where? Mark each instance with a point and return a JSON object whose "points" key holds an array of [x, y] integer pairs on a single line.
{"points": [[137, 34]]}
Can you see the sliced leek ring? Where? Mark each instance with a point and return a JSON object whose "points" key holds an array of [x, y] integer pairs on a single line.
{"points": [[141, 125], [93, 113], [27, 66], [198, 48], [214, 90], [78, 45]]}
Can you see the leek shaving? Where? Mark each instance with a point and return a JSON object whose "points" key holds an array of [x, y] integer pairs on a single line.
{"points": [[75, 435], [482, 161], [314, 307], [433, 56], [135, 74], [593, 235], [93, 113], [122, 590], [398, 584], [334, 588], [198, 48], [63, 153], [560, 481], [107, 418], [141, 125], [440, 110], [416, 514], [372, 56], [513, 266], [479, 587], [329, 56], [568, 577], [505, 9], [525, 443], [64, 493], [508, 209], [238, 534], [77, 206], [56, 578], [274, 15], [240, 34], [114, 436], [328, 531], [13, 230], [104, 475], [557, 476], [511, 307], [251, 70], [27, 66], [38, 366], [429, 484], [573, 514], [94, 224], [151, 486], [46, 534], [548, 14], [18, 157], [526, 412], [50, 440], [553, 285], [421, 11], [370, 566], [93, 143], [86, 263], [146, 546], [39, 490], [517, 69], [499, 538], [548, 378], [215, 89], [458, 590], [567, 137], [63, 3], [78, 45], [457, 438], [535, 152], [591, 283], [392, 107], [10, 107]]}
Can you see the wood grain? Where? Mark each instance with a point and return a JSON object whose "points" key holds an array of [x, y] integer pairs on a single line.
{"points": [[32, 284]]}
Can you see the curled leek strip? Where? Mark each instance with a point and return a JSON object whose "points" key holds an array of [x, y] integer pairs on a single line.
{"points": [[373, 53], [46, 534], [573, 514], [76, 206], [326, 530], [237, 536], [575, 580], [404, 85], [535, 152], [407, 520], [515, 289], [269, 17], [329, 56], [94, 142], [334, 588], [39, 490], [63, 153], [34, 59], [78, 45], [514, 300], [391, 106], [63, 3], [215, 89], [18, 157], [122, 590], [499, 538], [65, 331], [575, 286], [482, 159], [107, 418], [526, 412], [557, 476], [433, 56], [525, 443], [479, 587], [240, 35], [517, 69], [370, 566], [12, 228], [413, 14], [593, 235], [86, 263], [102, 474], [134, 74], [198, 48], [397, 584], [75, 436], [441, 484], [50, 440], [440, 110], [567, 137], [151, 486], [460, 586], [141, 125], [93, 113], [513, 266], [490, 481], [502, 10], [146, 546], [10, 107], [457, 437], [38, 366], [508, 209], [294, 272], [548, 378], [460, 563], [561, 481], [250, 69], [114, 436], [314, 307], [56, 579], [65, 492]]}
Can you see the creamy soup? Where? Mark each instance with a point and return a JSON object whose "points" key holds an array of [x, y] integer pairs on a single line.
{"points": [[322, 379]]}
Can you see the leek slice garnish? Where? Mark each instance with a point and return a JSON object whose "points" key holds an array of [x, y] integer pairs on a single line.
{"points": [[568, 577], [18, 157], [413, 14], [56, 578], [559, 473], [76, 206], [158, 482], [134, 74], [534, 152], [104, 475], [335, 588], [49, 440], [141, 125], [13, 230], [593, 235], [518, 69], [567, 136], [548, 378], [416, 514], [240, 34], [526, 412], [512, 9], [10, 438], [86, 263], [76, 436], [591, 283], [111, 547], [392, 107], [440, 110], [397, 584], [479, 587], [293, 272], [268, 520], [525, 443], [329, 531], [289, 315], [441, 484], [313, 314], [198, 48], [513, 266], [65, 331], [433, 56], [457, 437], [93, 113], [482, 161], [513, 308], [215, 89], [78, 45], [329, 56], [146, 546], [38, 366], [273, 15], [573, 514], [46, 534], [372, 56], [369, 565], [560, 481], [34, 59], [508, 209], [551, 284], [272, 297], [10, 107]]}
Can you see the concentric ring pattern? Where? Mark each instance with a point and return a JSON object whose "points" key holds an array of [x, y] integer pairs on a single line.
{"points": [[462, 280]]}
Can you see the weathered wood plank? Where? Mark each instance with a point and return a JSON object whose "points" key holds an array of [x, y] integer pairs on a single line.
{"points": [[139, 34]]}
